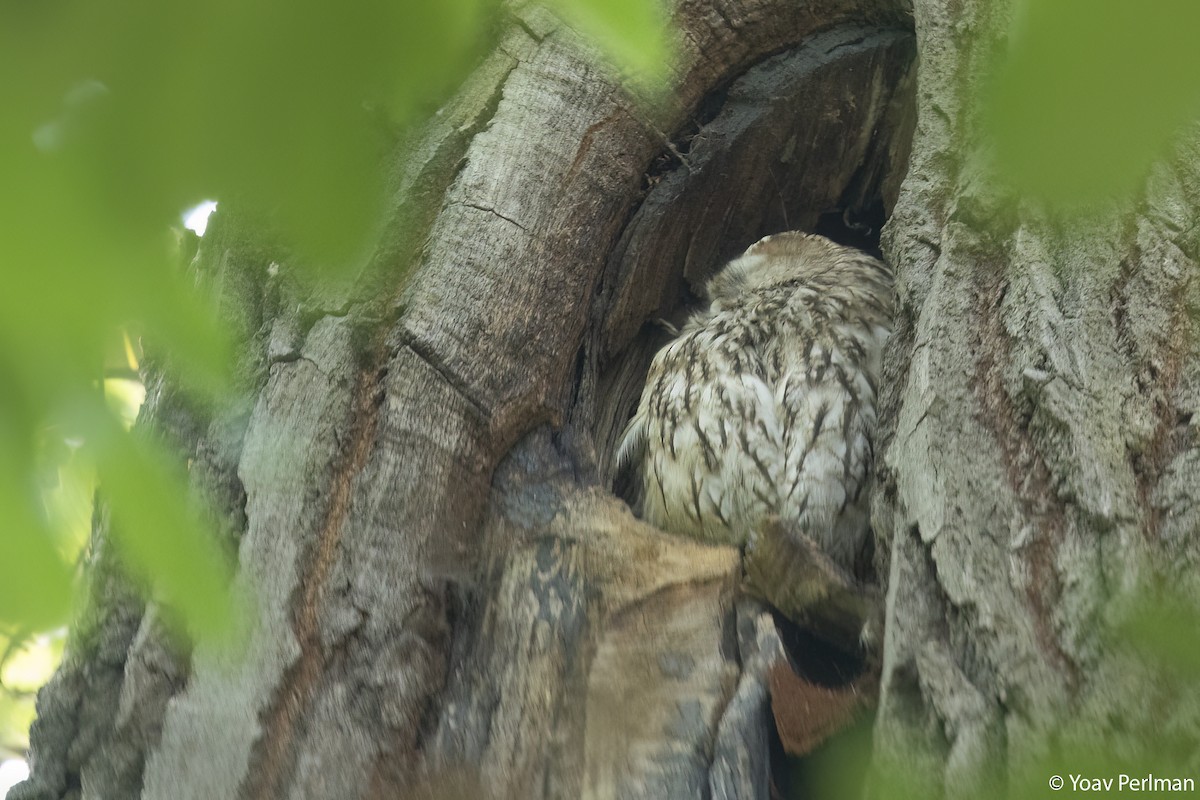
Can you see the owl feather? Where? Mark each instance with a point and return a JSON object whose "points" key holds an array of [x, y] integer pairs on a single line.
{"points": [[765, 404]]}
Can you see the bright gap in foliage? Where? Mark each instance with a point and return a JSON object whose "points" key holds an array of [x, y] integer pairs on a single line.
{"points": [[196, 219], [12, 772]]}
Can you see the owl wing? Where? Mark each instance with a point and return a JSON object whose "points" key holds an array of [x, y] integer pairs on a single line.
{"points": [[827, 412], [707, 438]]}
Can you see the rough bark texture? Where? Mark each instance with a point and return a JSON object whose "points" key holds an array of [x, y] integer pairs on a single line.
{"points": [[446, 598], [1042, 468]]}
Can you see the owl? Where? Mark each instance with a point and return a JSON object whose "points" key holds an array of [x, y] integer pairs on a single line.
{"points": [[765, 404]]}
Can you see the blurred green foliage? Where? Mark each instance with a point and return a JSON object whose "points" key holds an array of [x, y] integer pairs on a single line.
{"points": [[118, 117], [633, 32], [1088, 93], [24, 667]]}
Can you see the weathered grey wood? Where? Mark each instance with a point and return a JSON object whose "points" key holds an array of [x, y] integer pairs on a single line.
{"points": [[741, 756], [1043, 392]]}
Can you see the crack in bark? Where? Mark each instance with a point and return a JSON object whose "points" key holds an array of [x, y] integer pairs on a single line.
{"points": [[519, 20], [274, 753], [731, 25], [454, 381], [841, 45], [503, 424], [585, 146], [493, 212], [415, 213], [1028, 475]]}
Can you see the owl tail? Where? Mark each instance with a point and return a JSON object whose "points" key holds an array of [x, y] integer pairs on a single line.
{"points": [[633, 443]]}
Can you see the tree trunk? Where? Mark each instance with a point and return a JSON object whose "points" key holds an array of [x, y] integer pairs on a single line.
{"points": [[1042, 467], [445, 598]]}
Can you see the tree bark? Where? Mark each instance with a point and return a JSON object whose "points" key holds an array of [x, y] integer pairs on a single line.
{"points": [[1041, 467], [445, 598]]}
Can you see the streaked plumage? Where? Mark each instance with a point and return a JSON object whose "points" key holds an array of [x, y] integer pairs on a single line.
{"points": [[766, 402]]}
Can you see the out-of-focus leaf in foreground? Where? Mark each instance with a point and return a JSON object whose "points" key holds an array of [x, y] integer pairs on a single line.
{"points": [[633, 33], [1091, 92], [117, 117], [142, 486], [285, 105], [1162, 627]]}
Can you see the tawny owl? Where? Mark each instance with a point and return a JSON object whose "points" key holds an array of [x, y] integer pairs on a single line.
{"points": [[766, 402]]}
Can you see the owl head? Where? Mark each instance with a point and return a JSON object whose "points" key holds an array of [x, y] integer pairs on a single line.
{"points": [[785, 257]]}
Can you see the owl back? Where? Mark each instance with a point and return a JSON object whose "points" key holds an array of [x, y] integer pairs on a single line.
{"points": [[766, 402]]}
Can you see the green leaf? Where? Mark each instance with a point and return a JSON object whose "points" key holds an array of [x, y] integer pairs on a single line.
{"points": [[35, 583], [156, 527], [1091, 92], [120, 115], [1161, 626], [635, 34], [286, 105]]}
